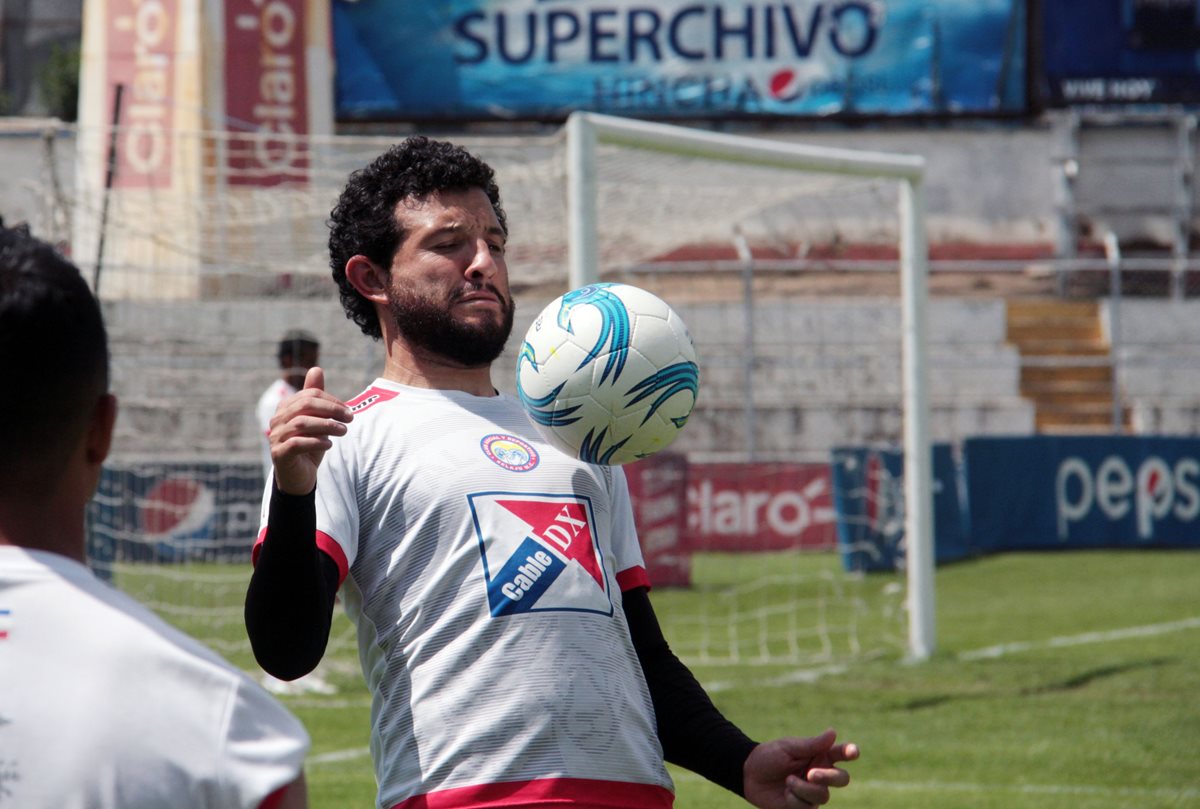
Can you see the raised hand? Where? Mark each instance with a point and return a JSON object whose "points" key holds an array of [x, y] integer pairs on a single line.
{"points": [[302, 430], [795, 772]]}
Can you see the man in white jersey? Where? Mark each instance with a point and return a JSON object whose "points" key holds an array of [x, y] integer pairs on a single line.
{"points": [[102, 705], [497, 585], [298, 351]]}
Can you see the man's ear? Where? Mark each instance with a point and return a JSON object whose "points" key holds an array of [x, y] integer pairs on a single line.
{"points": [[100, 430], [367, 278]]}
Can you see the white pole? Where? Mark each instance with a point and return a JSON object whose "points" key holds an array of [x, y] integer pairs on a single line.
{"points": [[918, 455], [583, 251], [584, 129], [754, 151]]}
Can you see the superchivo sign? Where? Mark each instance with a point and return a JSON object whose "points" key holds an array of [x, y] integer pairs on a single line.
{"points": [[514, 59]]}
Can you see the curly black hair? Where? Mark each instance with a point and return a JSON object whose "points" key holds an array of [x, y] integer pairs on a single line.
{"points": [[364, 220]]}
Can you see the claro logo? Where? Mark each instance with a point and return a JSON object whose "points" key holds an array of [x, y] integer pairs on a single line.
{"points": [[1156, 491], [728, 511]]}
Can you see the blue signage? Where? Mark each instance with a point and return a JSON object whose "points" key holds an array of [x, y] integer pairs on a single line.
{"points": [[1054, 492], [543, 59], [1121, 52], [868, 496]]}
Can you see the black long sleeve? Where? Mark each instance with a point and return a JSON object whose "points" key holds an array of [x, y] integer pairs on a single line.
{"points": [[693, 733], [292, 592]]}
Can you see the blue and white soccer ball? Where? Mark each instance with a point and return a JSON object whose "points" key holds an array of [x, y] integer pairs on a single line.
{"points": [[608, 373]]}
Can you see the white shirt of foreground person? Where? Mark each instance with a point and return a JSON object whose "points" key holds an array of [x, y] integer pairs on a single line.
{"points": [[105, 706]]}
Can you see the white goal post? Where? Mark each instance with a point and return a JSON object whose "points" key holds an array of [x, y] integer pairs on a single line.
{"points": [[586, 130]]}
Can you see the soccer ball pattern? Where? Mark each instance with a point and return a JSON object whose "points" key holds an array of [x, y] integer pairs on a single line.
{"points": [[608, 373]]}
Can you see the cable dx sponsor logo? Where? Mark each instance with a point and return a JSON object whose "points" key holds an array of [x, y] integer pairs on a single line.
{"points": [[1157, 490]]}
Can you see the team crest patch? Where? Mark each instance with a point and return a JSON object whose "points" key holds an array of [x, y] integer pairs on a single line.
{"points": [[540, 553], [509, 452]]}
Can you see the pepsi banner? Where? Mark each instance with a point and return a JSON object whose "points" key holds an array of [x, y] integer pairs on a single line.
{"points": [[676, 59], [164, 513], [1121, 52], [868, 492], [1058, 492]]}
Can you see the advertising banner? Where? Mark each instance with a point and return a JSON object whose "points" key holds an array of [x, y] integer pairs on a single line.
{"points": [[175, 512], [141, 57], [1059, 492], [266, 90], [656, 489], [1121, 52], [543, 59], [868, 486], [759, 507]]}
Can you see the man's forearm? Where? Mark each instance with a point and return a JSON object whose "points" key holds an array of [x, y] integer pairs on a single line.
{"points": [[289, 603], [693, 733]]}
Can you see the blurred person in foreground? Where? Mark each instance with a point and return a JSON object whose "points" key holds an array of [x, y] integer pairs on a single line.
{"points": [[497, 584], [102, 704]]}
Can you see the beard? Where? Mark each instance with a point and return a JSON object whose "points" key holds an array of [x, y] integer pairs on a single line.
{"points": [[429, 325]]}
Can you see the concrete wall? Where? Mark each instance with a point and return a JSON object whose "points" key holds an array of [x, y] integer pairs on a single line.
{"points": [[1158, 363], [189, 374]]}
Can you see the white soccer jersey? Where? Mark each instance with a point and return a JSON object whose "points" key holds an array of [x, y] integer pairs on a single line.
{"points": [[484, 571], [263, 412], [104, 706]]}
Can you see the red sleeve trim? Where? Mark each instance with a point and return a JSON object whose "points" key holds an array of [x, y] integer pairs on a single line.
{"points": [[326, 544], [633, 577], [334, 551], [275, 798], [257, 549]]}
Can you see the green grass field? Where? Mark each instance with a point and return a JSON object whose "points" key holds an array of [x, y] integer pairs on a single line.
{"points": [[1060, 680]]}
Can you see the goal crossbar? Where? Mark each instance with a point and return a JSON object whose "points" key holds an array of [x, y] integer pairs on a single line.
{"points": [[585, 130]]}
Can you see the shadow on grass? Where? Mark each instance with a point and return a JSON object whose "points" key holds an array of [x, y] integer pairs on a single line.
{"points": [[1088, 677], [1071, 683]]}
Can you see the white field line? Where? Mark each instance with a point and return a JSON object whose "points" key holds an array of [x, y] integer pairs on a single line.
{"points": [[338, 756], [790, 678], [1078, 640]]}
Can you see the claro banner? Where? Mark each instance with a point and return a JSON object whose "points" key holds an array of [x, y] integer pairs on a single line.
{"points": [[1052, 492], [266, 90], [141, 56], [542, 59], [759, 507]]}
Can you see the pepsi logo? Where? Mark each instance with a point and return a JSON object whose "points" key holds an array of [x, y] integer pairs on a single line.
{"points": [[176, 507], [784, 85]]}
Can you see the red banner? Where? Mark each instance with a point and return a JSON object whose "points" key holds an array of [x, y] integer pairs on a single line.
{"points": [[656, 487], [141, 57], [759, 507], [266, 92]]}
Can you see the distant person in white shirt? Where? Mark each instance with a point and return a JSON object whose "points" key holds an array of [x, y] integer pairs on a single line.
{"points": [[298, 351], [102, 704]]}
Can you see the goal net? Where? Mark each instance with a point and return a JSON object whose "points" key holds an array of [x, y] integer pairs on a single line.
{"points": [[801, 273], [786, 262]]}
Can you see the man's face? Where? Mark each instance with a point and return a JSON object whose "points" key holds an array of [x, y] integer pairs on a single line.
{"points": [[449, 282]]}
